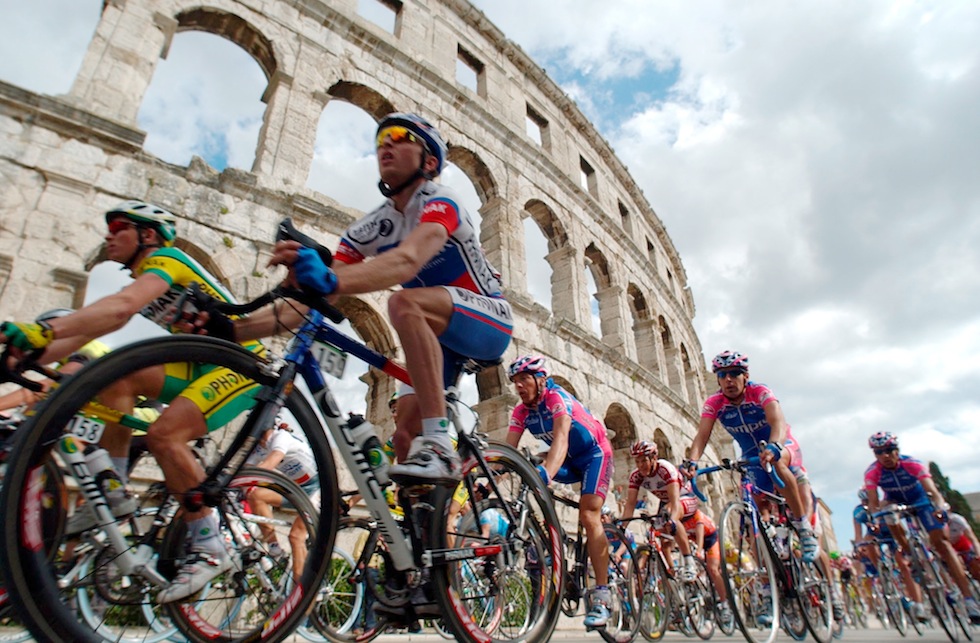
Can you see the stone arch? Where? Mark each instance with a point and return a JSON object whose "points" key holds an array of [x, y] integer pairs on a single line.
{"points": [[644, 337], [565, 384], [477, 171], [368, 99], [620, 422], [549, 224], [670, 371], [375, 332], [234, 28], [599, 267], [690, 374], [663, 445]]}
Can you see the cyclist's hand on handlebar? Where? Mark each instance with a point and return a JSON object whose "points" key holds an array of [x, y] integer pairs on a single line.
{"points": [[689, 468], [26, 336], [306, 268]]}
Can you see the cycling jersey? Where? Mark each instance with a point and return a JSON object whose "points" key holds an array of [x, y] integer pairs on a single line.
{"points": [[589, 459], [710, 545], [298, 463], [662, 475], [959, 535], [219, 393], [900, 484], [495, 520], [482, 320]]}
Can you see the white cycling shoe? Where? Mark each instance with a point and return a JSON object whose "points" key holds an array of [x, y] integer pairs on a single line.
{"points": [[200, 569], [431, 460]]}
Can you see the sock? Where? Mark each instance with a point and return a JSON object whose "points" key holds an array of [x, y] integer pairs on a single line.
{"points": [[799, 526], [205, 535], [120, 464], [435, 427]]}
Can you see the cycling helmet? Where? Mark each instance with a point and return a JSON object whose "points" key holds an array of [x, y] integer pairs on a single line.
{"points": [[883, 440], [148, 215], [533, 364], [53, 313], [433, 142], [863, 495], [643, 448], [834, 555], [729, 359], [606, 510]]}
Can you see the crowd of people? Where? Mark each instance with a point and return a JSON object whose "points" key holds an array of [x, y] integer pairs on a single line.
{"points": [[450, 304]]}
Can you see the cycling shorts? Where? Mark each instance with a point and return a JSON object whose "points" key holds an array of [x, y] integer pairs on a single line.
{"points": [[220, 393], [712, 550], [480, 327], [762, 480], [592, 468]]}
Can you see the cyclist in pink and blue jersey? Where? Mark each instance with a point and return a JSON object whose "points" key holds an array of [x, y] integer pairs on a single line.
{"points": [[906, 480], [580, 452], [751, 414]]}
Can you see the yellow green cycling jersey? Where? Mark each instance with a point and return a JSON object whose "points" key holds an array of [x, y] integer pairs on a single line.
{"points": [[219, 393]]}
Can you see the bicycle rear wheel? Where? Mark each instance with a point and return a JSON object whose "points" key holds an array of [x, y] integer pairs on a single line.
{"points": [[515, 594], [625, 611], [700, 603], [749, 574], [812, 592], [44, 595], [932, 586], [654, 593]]}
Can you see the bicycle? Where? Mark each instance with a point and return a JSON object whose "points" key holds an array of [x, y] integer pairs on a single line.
{"points": [[665, 599], [625, 608], [38, 595], [766, 568], [947, 605]]}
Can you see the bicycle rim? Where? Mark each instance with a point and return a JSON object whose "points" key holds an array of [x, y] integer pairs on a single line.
{"points": [[932, 586], [625, 611], [473, 593], [749, 576], [655, 595], [45, 606], [700, 603]]}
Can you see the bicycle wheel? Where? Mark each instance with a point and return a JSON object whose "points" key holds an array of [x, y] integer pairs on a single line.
{"points": [[345, 609], [655, 596], [472, 591], [574, 588], [700, 603], [791, 619], [813, 593], [44, 597], [889, 600], [858, 609], [749, 574], [625, 611], [932, 585]]}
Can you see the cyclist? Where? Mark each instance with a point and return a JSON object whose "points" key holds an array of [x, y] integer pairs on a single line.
{"points": [[279, 449], [867, 547], [965, 543], [907, 481], [620, 548], [450, 303], [704, 533], [141, 237], [580, 452], [751, 414], [662, 479]]}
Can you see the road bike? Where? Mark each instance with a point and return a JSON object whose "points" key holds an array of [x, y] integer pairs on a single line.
{"points": [[420, 560], [767, 579], [665, 599], [624, 607]]}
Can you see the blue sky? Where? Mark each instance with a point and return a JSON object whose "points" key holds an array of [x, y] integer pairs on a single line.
{"points": [[814, 163]]}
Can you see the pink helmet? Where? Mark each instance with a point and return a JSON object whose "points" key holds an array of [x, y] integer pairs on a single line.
{"points": [[643, 448], [883, 440], [533, 364], [729, 359]]}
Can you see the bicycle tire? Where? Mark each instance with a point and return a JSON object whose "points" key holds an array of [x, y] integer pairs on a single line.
{"points": [[700, 603], [655, 596], [932, 586], [792, 621], [541, 561], [574, 589], [40, 602], [812, 591], [751, 578], [890, 597], [625, 611]]}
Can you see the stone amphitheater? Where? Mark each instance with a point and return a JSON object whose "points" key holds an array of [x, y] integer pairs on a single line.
{"points": [[525, 146]]}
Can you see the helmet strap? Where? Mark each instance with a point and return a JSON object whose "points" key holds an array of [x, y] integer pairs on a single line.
{"points": [[131, 262]]}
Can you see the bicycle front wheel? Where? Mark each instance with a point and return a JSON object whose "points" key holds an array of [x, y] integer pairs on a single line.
{"points": [[655, 595], [43, 576], [749, 574], [515, 594]]}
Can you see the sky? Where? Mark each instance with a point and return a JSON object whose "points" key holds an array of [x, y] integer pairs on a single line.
{"points": [[815, 163]]}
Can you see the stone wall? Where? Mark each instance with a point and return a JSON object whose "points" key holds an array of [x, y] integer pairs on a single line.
{"points": [[65, 159]]}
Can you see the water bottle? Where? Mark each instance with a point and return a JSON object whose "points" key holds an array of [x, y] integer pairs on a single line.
{"points": [[100, 466], [367, 440]]}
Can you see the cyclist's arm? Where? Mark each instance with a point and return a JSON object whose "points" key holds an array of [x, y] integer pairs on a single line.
{"points": [[858, 532], [103, 316], [560, 428], [22, 396], [630, 503], [777, 429], [701, 439], [272, 460], [674, 503], [934, 495], [269, 321]]}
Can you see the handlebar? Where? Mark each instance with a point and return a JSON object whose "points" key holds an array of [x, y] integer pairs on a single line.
{"points": [[12, 370], [901, 508], [728, 464]]}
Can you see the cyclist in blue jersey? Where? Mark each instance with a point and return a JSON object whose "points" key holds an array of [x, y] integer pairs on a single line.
{"points": [[751, 414], [580, 452], [906, 480]]}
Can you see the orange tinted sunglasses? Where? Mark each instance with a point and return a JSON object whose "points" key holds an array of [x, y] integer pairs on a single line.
{"points": [[118, 225], [397, 134]]}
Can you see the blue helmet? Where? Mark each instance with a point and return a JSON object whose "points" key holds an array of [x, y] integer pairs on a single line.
{"points": [[430, 136]]}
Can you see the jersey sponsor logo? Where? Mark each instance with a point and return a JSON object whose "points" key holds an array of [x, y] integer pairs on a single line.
{"points": [[160, 310], [495, 307], [386, 227], [367, 230]]}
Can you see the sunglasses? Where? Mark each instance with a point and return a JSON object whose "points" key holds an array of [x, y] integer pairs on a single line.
{"points": [[397, 134], [884, 451], [118, 225], [732, 374]]}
